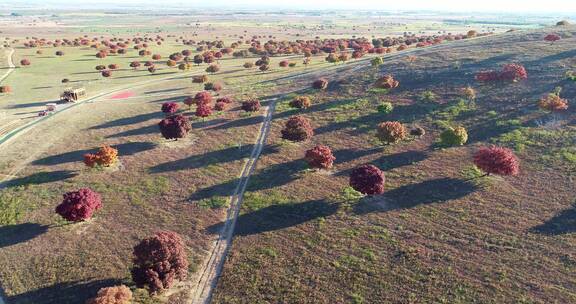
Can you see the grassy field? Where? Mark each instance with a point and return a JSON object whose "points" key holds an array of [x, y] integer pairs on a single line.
{"points": [[441, 233]]}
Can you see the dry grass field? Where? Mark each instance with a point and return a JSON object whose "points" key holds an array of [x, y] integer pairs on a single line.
{"points": [[441, 233]]}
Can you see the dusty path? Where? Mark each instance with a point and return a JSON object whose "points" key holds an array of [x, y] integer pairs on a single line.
{"points": [[208, 278], [11, 65]]}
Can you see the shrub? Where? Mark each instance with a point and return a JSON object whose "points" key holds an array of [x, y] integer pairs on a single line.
{"points": [[496, 160], [159, 261], [513, 72], [562, 23], [5, 89], [106, 156], [65, 80], [224, 100], [320, 84], [552, 38], [284, 63], [320, 157], [200, 79], [213, 86], [152, 69], [385, 108], [301, 102], [135, 64], [202, 97], [469, 93], [418, 131], [220, 106], [509, 72], [377, 61], [113, 66], [391, 132], [24, 62], [189, 101], [79, 205], [212, 69], [112, 295], [454, 136], [264, 67], [156, 57], [386, 82], [297, 128], [251, 105], [367, 179], [106, 73], [553, 103], [203, 110], [169, 107], [248, 65], [175, 127], [59, 53]]}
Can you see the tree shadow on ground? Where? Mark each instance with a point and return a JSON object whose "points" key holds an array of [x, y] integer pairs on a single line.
{"points": [[126, 121], [271, 177], [129, 148], [346, 155], [138, 131], [389, 162], [29, 105], [19, 233], [563, 223], [213, 157], [280, 216], [392, 161], [164, 91], [409, 196], [41, 178], [63, 293], [237, 123]]}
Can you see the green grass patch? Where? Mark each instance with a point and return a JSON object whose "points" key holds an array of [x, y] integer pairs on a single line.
{"points": [[215, 202]]}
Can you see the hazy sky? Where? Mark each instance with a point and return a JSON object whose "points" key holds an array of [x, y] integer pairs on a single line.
{"points": [[565, 6]]}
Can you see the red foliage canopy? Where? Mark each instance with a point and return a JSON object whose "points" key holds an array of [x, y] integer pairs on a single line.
{"points": [[169, 107], [320, 84], [203, 110], [79, 205], [552, 37], [251, 105], [159, 261], [320, 157], [175, 127], [298, 128], [202, 97], [367, 179], [497, 160]]}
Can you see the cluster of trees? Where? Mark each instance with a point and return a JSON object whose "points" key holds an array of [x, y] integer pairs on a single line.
{"points": [[509, 72]]}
